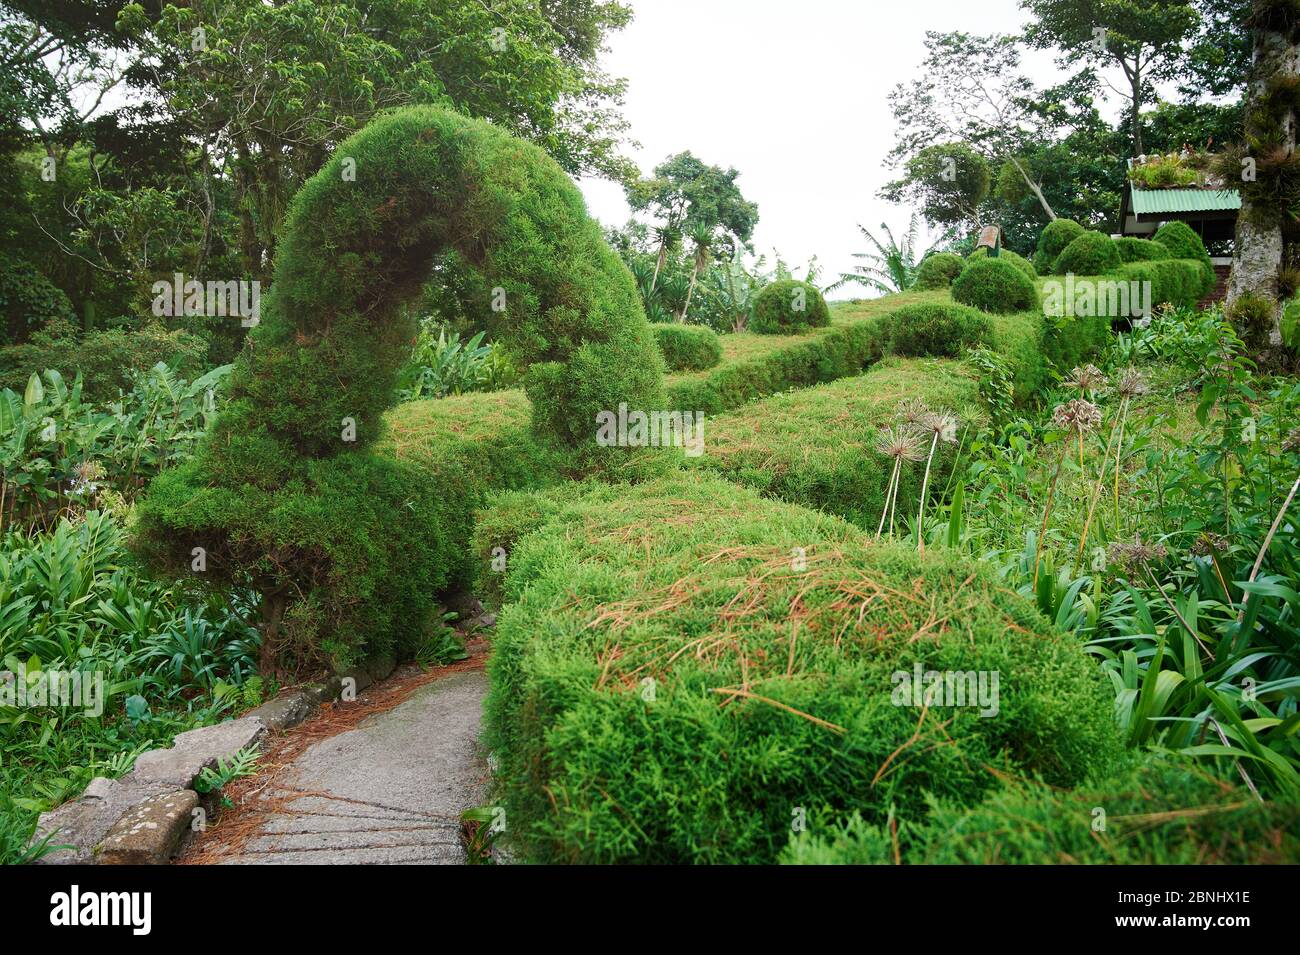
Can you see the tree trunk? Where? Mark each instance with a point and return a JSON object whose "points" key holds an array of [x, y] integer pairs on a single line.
{"points": [[1136, 119], [273, 606], [1035, 188], [659, 264], [1257, 258]]}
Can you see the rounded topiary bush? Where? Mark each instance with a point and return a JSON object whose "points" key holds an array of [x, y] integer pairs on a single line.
{"points": [[788, 307], [938, 270], [1020, 262], [735, 732], [994, 285], [1141, 250], [1052, 242], [1183, 243], [1090, 254], [1015, 258], [688, 347], [941, 330]]}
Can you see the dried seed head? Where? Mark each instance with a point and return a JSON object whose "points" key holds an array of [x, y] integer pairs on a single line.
{"points": [[1077, 415], [1086, 378], [1136, 553], [913, 411], [1208, 543], [942, 424], [899, 444], [1131, 384]]}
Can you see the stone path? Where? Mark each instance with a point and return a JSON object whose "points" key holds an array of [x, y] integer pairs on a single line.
{"points": [[388, 791]]}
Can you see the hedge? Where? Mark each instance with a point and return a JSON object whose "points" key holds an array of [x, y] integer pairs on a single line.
{"points": [[345, 545], [994, 285], [1183, 243], [1140, 250], [938, 270], [788, 307], [688, 347], [1173, 281], [1154, 814], [815, 446], [1090, 254], [843, 350], [670, 684]]}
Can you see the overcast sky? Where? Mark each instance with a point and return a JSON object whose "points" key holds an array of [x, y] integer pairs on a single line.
{"points": [[793, 94]]}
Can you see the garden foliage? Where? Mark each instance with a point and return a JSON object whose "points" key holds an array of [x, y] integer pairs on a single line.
{"points": [[1092, 253], [287, 492], [1052, 242]]}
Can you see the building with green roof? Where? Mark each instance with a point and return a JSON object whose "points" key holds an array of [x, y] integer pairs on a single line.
{"points": [[1211, 212]]}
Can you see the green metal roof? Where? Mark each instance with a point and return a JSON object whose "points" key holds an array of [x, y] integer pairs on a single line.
{"points": [[1166, 201]]}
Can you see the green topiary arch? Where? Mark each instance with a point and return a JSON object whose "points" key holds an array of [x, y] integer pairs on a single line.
{"points": [[345, 545]]}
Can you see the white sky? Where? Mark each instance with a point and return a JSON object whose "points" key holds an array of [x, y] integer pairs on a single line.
{"points": [[793, 94]]}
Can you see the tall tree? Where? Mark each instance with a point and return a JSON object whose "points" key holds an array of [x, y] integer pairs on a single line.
{"points": [[683, 192], [948, 183], [1145, 39], [703, 239], [1270, 166], [971, 91], [266, 90]]}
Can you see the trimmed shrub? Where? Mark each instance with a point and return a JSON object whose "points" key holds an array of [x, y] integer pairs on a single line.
{"points": [[1161, 811], [1015, 258], [938, 270], [1090, 254], [788, 307], [688, 347], [346, 545], [628, 730], [1173, 281], [1183, 243], [1052, 242], [816, 446], [1020, 262], [994, 285], [1141, 250], [926, 328]]}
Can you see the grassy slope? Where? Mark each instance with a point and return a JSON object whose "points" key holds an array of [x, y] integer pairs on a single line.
{"points": [[817, 446]]}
